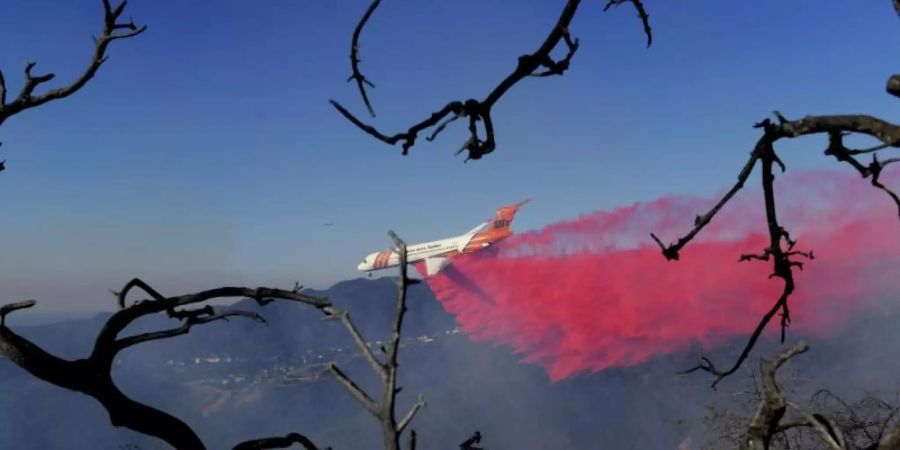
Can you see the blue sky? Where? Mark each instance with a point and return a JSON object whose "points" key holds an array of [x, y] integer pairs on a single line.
{"points": [[205, 151]]}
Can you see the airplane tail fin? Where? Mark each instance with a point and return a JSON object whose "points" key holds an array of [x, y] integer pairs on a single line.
{"points": [[505, 215]]}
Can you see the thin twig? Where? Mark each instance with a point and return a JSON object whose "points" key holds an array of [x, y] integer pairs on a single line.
{"points": [[361, 80], [480, 110]]}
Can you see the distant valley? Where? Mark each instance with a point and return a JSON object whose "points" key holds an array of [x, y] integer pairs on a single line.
{"points": [[238, 380]]}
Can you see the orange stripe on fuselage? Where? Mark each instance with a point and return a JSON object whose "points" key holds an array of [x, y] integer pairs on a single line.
{"points": [[382, 259]]}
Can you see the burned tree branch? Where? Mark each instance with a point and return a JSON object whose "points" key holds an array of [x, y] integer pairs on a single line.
{"points": [[107, 345], [112, 30], [835, 126], [642, 14], [6, 309], [480, 110], [408, 137], [559, 67], [890, 441], [344, 317], [357, 392], [361, 81], [384, 410], [190, 321], [826, 429], [777, 422], [772, 407], [278, 442], [861, 425], [841, 431], [708, 366], [411, 444], [469, 444], [400, 307], [137, 283], [92, 375], [893, 85], [2, 89], [837, 149], [93, 378], [420, 403], [781, 250], [671, 252], [868, 150]]}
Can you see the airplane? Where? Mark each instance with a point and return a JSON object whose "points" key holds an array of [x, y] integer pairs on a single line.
{"points": [[437, 254]]}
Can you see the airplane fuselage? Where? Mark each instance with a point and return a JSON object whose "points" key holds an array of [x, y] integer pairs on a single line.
{"points": [[436, 254], [419, 252]]}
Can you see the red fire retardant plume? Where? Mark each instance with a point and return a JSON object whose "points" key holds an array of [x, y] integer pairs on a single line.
{"points": [[592, 293]]}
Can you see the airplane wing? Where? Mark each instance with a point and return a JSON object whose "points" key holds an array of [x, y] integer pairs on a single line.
{"points": [[434, 264]]}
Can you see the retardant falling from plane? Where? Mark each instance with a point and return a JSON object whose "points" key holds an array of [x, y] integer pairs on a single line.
{"points": [[595, 292]]}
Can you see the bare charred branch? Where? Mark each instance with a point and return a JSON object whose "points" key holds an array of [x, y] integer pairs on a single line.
{"points": [[384, 410], [868, 150], [891, 441], [160, 303], [671, 251], [781, 250], [827, 430], [278, 442], [887, 133], [559, 67], [420, 403], [642, 14], [31, 357], [884, 131], [389, 395], [411, 445], [344, 317], [782, 265], [361, 81], [861, 425], [408, 137], [708, 366], [112, 30], [469, 444], [357, 392], [137, 283], [842, 426], [441, 127], [92, 375], [772, 407], [6, 309], [837, 149], [2, 89], [875, 169], [107, 345], [893, 85], [400, 309], [189, 321], [480, 110]]}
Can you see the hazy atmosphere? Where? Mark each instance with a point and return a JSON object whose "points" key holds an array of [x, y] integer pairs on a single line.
{"points": [[206, 152], [645, 211]]}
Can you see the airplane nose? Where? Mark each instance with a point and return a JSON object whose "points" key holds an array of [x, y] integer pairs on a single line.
{"points": [[361, 266]]}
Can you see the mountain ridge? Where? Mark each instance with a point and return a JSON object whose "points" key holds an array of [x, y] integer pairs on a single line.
{"points": [[239, 379]]}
